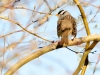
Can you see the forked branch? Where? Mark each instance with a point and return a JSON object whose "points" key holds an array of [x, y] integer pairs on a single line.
{"points": [[51, 47]]}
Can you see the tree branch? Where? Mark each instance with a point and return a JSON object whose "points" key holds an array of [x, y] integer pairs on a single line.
{"points": [[83, 16], [88, 33], [84, 57], [25, 29], [51, 47]]}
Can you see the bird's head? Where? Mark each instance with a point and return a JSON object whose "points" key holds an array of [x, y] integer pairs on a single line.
{"points": [[62, 13]]}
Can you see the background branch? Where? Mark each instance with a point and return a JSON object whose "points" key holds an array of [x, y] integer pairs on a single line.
{"points": [[25, 29]]}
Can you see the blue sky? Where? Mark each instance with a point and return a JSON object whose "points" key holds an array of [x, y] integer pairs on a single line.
{"points": [[57, 62]]}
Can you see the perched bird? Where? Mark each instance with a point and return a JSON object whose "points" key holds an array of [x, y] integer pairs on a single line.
{"points": [[66, 26]]}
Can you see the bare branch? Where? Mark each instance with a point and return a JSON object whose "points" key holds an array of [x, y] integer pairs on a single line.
{"points": [[30, 10], [51, 47], [83, 16], [24, 28], [47, 5]]}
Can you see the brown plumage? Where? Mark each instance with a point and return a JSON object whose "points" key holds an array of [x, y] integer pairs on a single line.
{"points": [[66, 26]]}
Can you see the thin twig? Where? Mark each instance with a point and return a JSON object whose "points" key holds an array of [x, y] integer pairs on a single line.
{"points": [[96, 64], [16, 31], [30, 10], [87, 3], [25, 29], [48, 5], [94, 15]]}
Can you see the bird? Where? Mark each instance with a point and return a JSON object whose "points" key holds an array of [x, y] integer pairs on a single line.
{"points": [[66, 25]]}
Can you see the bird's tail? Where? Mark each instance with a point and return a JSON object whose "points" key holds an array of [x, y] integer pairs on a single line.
{"points": [[64, 38]]}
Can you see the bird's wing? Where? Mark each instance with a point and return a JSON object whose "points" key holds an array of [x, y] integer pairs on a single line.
{"points": [[74, 32], [59, 32], [73, 21]]}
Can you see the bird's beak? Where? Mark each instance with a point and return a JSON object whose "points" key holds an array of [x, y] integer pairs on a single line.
{"points": [[56, 14]]}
